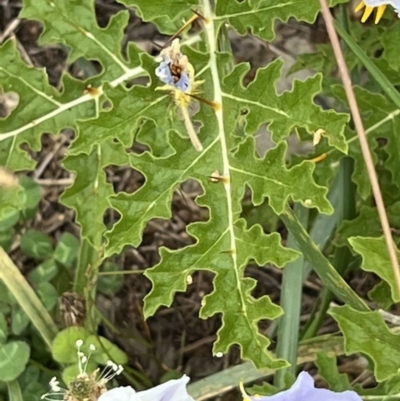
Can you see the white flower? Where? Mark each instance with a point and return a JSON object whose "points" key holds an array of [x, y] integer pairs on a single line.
{"points": [[172, 390], [303, 389], [376, 3]]}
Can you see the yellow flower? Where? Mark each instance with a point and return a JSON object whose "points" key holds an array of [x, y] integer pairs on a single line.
{"points": [[368, 11]]}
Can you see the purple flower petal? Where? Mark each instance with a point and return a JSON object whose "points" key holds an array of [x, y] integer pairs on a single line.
{"points": [[303, 390], [172, 390]]}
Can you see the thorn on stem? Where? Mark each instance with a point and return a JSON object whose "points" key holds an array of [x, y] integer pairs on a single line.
{"points": [[230, 252], [217, 177], [319, 158], [204, 19]]}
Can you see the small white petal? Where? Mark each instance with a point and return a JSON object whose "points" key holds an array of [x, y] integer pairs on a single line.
{"points": [[79, 343], [120, 394], [172, 390]]}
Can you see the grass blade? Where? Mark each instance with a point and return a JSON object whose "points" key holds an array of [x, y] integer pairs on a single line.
{"points": [[326, 272], [379, 76], [26, 298], [291, 294]]}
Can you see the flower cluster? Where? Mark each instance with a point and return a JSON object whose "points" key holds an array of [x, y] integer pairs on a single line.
{"points": [[379, 5], [85, 386]]}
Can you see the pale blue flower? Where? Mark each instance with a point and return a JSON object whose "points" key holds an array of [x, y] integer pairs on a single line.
{"points": [[303, 390], [172, 390], [175, 69], [163, 71]]}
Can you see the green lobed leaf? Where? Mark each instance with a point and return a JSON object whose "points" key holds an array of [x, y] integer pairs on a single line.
{"points": [[367, 223], [380, 123], [107, 125], [75, 22], [382, 295], [168, 19], [90, 192], [164, 175], [328, 369], [376, 259], [269, 177], [257, 15], [40, 108], [260, 15], [231, 295], [285, 112], [389, 39], [367, 332]]}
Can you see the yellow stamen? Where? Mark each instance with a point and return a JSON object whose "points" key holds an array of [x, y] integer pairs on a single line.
{"points": [[379, 13], [360, 6], [367, 13]]}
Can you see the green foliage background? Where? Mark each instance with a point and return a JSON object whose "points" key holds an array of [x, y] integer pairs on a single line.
{"points": [[108, 115]]}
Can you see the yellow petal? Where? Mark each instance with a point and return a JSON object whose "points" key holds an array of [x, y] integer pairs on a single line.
{"points": [[360, 6], [379, 13], [367, 13]]}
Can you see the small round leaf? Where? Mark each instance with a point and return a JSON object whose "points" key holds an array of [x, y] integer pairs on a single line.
{"points": [[64, 345], [13, 358]]}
